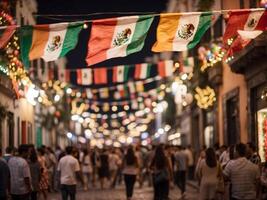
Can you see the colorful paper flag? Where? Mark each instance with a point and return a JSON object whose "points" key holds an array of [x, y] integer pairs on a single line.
{"points": [[177, 32], [6, 34], [117, 37], [165, 68], [120, 73], [84, 76], [104, 94], [48, 41], [100, 76], [142, 71], [247, 23], [63, 75]]}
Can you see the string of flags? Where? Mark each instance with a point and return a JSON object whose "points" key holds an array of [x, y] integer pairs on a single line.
{"points": [[122, 36], [97, 76]]}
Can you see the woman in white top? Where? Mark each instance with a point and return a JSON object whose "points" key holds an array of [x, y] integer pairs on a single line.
{"points": [[130, 171], [86, 168], [209, 173]]}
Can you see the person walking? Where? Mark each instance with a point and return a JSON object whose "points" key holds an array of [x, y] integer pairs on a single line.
{"points": [[162, 174], [130, 171], [87, 168], [243, 175], [9, 153], [103, 167], [190, 157], [181, 166], [69, 169], [35, 169], [4, 178], [20, 175], [114, 164], [209, 174], [43, 184]]}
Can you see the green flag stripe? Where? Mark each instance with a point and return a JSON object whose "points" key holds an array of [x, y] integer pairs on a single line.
{"points": [[26, 43], [204, 24], [71, 38], [141, 29], [125, 74], [148, 70]]}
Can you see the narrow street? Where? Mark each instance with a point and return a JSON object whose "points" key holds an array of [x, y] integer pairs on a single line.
{"points": [[145, 193]]}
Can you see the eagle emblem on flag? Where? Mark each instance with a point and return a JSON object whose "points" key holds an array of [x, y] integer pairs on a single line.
{"points": [[252, 23], [54, 44], [186, 31], [122, 37]]}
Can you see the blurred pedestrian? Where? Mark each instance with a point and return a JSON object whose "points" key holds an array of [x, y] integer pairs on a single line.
{"points": [[114, 164], [69, 170], [181, 166], [162, 174], [130, 171], [8, 154], [103, 167], [86, 168], [35, 169], [20, 175], [243, 175], [51, 163], [190, 158], [252, 154], [43, 184], [209, 174], [4, 178]]}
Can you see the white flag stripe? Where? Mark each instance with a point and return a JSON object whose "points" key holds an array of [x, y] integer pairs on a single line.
{"points": [[249, 34], [255, 17], [123, 24], [169, 67], [180, 44], [86, 76], [120, 73], [143, 71], [51, 54]]}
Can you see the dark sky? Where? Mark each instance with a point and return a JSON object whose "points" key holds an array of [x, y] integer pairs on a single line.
{"points": [[76, 58]]}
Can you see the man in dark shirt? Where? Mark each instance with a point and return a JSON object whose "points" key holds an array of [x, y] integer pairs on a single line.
{"points": [[4, 177]]}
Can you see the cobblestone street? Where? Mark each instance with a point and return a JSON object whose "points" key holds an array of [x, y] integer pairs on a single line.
{"points": [[145, 193]]}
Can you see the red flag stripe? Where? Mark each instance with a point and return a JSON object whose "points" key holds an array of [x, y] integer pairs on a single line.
{"points": [[79, 76], [137, 71], [101, 38], [100, 76]]}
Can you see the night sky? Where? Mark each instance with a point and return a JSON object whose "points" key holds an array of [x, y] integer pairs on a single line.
{"points": [[76, 58]]}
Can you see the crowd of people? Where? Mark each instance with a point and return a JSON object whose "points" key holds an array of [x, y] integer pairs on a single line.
{"points": [[235, 172]]}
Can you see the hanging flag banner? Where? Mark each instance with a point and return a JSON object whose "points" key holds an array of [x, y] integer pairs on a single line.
{"points": [[100, 76], [84, 76], [142, 71], [247, 23], [120, 73], [48, 41], [117, 37], [178, 32], [63, 75], [6, 34], [165, 68]]}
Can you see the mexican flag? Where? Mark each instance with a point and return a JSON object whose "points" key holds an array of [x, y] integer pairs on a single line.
{"points": [[165, 68], [63, 75], [100, 76], [177, 32], [48, 41], [142, 71], [120, 73], [117, 37], [6, 34], [84, 76], [246, 23]]}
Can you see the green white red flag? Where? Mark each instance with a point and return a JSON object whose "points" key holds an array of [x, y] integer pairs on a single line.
{"points": [[246, 23], [142, 71], [120, 73], [84, 76], [165, 68], [117, 37]]}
